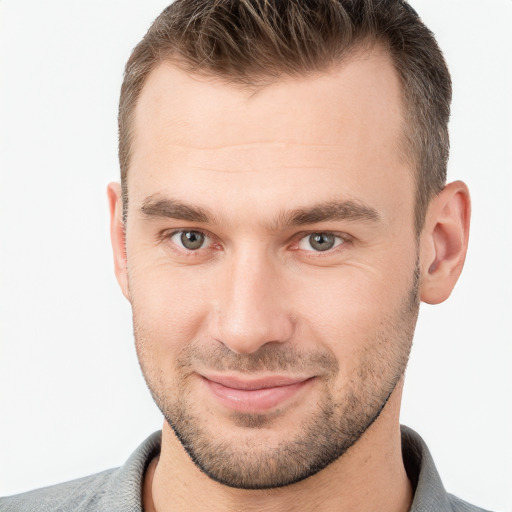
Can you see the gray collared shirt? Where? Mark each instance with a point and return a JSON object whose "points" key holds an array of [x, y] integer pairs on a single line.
{"points": [[119, 490]]}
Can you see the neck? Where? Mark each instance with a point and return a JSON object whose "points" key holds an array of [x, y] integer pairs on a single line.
{"points": [[369, 476]]}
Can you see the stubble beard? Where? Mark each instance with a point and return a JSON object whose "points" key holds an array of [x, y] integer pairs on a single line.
{"points": [[333, 425]]}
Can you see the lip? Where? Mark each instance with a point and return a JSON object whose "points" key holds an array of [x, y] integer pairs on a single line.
{"points": [[255, 395]]}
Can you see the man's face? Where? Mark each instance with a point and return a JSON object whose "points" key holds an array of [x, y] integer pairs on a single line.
{"points": [[272, 264]]}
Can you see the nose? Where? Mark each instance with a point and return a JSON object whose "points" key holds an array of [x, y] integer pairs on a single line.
{"points": [[254, 307]]}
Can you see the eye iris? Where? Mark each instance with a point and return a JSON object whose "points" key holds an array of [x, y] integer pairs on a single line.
{"points": [[192, 239], [321, 241]]}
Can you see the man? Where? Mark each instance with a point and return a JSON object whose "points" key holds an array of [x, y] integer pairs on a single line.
{"points": [[282, 211]]}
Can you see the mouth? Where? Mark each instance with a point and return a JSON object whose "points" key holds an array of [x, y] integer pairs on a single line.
{"points": [[255, 395]]}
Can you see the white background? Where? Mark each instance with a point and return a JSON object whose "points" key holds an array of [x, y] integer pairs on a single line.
{"points": [[72, 400]]}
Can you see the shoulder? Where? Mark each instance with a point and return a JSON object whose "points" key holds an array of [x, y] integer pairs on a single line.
{"points": [[81, 494], [116, 490], [459, 505]]}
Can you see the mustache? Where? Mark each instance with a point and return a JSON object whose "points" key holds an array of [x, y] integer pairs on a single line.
{"points": [[271, 357]]}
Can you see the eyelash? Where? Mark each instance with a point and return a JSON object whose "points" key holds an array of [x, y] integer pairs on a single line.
{"points": [[343, 240], [168, 235]]}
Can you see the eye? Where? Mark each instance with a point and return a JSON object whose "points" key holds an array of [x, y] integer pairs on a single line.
{"points": [[320, 242], [190, 240]]}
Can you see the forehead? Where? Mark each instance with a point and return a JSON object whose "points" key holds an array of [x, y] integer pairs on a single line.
{"points": [[364, 87], [309, 132]]}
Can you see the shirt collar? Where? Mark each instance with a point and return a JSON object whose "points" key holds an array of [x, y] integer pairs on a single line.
{"points": [[429, 492]]}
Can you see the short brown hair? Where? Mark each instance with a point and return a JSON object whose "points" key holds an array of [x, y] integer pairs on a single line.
{"points": [[252, 42]]}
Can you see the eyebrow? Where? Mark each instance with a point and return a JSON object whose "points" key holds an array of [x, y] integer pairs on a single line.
{"points": [[332, 210], [328, 211], [174, 209]]}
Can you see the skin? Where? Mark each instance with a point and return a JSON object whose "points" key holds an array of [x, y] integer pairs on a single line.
{"points": [[258, 300]]}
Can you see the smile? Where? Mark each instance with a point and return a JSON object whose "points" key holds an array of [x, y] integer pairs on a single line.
{"points": [[255, 395]]}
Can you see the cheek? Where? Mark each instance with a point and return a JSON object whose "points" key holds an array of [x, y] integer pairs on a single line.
{"points": [[168, 307], [352, 307]]}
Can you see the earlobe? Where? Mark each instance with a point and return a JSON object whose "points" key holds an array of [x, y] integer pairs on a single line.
{"points": [[444, 242], [117, 236]]}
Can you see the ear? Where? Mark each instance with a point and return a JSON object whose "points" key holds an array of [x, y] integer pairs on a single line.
{"points": [[444, 242], [118, 236]]}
